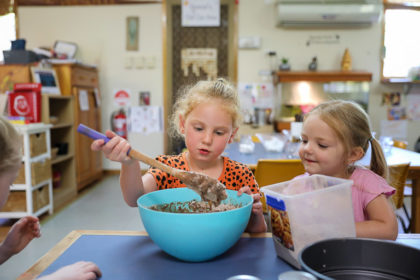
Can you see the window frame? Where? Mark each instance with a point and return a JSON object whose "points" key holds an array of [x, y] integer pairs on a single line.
{"points": [[395, 5]]}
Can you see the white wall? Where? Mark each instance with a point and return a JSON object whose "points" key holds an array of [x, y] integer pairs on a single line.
{"points": [[99, 32]]}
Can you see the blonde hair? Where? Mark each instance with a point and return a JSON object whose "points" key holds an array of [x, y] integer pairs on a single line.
{"points": [[351, 124], [206, 91], [10, 146]]}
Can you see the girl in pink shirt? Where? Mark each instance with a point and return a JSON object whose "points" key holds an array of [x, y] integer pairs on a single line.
{"points": [[335, 135]]}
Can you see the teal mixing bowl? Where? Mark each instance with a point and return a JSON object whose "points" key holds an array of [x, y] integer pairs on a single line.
{"points": [[194, 237]]}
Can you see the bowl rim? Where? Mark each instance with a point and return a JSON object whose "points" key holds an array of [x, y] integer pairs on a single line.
{"points": [[140, 206]]}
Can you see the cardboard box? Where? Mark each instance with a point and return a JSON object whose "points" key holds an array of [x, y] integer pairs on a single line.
{"points": [[306, 210]]}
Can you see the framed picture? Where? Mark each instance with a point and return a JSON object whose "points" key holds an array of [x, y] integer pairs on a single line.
{"points": [[132, 34], [47, 78], [144, 98], [66, 49]]}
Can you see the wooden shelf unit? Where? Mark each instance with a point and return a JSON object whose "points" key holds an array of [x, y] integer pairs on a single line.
{"points": [[51, 105], [322, 76], [61, 107]]}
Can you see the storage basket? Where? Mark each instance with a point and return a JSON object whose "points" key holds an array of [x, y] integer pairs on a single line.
{"points": [[40, 171], [16, 201], [308, 209], [37, 144]]}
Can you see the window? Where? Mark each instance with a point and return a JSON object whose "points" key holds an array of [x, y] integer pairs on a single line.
{"points": [[401, 41], [7, 31]]}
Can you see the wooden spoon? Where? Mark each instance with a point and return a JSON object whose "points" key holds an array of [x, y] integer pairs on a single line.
{"points": [[208, 188]]}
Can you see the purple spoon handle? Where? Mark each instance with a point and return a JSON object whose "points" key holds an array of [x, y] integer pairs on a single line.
{"points": [[83, 129], [95, 135]]}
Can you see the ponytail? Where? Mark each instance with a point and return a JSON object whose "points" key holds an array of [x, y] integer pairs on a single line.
{"points": [[377, 159]]}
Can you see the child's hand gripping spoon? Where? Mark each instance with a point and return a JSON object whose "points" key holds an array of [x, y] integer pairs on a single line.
{"points": [[208, 188]]}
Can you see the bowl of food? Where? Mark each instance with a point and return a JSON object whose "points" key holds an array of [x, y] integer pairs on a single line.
{"points": [[186, 228]]}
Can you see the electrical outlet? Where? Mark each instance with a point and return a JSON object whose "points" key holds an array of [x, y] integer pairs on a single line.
{"points": [[139, 62], [151, 62], [128, 62]]}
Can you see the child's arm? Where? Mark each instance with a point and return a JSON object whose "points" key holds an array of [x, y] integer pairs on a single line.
{"points": [[382, 222], [132, 184], [77, 271], [256, 221], [21, 233]]}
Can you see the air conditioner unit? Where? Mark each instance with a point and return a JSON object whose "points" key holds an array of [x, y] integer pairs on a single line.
{"points": [[328, 13]]}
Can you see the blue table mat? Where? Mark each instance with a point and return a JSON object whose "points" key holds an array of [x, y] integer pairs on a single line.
{"points": [[125, 257]]}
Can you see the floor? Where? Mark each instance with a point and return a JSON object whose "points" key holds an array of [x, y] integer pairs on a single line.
{"points": [[99, 207]]}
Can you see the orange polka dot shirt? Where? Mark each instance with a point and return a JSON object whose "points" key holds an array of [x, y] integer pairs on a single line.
{"points": [[235, 175]]}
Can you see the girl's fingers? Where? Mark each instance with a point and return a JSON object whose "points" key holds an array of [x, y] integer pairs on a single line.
{"points": [[120, 150], [110, 134], [245, 189], [97, 145]]}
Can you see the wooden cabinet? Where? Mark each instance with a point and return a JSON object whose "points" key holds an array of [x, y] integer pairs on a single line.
{"points": [[57, 110], [11, 74], [81, 82]]}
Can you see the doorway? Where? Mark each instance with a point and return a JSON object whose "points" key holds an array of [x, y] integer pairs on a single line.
{"points": [[222, 39]]}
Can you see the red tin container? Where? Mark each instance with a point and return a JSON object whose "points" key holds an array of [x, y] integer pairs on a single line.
{"points": [[25, 101]]}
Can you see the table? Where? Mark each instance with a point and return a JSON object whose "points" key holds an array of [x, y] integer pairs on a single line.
{"points": [[133, 255], [251, 159], [130, 255], [395, 156]]}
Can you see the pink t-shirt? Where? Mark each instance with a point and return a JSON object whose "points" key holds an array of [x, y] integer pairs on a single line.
{"points": [[367, 185]]}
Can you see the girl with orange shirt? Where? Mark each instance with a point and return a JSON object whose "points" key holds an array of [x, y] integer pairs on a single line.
{"points": [[207, 116]]}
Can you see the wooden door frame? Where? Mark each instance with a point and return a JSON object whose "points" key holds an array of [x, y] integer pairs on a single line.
{"points": [[167, 56]]}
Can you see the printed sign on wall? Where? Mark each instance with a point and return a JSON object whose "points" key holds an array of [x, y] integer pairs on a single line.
{"points": [[200, 13], [122, 97]]}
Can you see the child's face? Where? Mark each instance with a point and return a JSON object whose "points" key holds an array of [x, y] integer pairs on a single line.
{"points": [[6, 180], [207, 130], [321, 150]]}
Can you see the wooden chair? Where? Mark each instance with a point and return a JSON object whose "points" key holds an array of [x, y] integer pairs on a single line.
{"points": [[396, 178], [408, 191], [271, 171], [400, 144]]}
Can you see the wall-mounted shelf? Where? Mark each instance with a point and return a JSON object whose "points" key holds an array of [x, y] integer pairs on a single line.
{"points": [[407, 83], [322, 76]]}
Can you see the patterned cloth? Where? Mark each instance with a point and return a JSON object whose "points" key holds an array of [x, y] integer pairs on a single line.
{"points": [[235, 175]]}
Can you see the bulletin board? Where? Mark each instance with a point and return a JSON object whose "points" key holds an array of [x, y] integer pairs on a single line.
{"points": [[197, 37]]}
